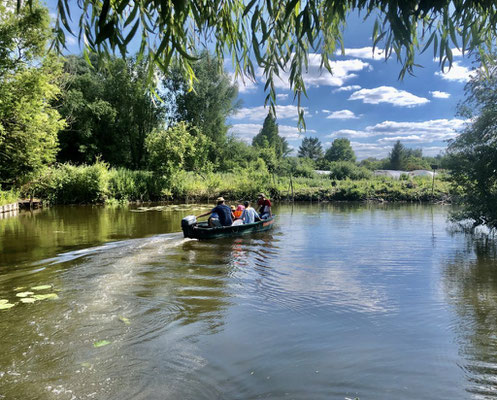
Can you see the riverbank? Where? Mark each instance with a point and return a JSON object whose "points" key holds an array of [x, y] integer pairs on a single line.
{"points": [[98, 183]]}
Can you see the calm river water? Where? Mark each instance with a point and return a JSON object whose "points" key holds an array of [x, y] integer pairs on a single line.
{"points": [[337, 302]]}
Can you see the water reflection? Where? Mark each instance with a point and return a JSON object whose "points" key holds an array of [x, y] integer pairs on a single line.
{"points": [[470, 281]]}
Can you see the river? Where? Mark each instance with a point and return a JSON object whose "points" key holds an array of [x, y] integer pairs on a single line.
{"points": [[337, 302]]}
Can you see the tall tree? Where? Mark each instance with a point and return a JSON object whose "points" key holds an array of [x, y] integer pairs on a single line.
{"points": [[109, 110], [209, 105], [473, 154], [278, 35], [340, 150], [311, 148], [29, 78], [268, 137], [397, 156]]}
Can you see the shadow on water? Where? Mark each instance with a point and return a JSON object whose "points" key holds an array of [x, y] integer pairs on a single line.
{"points": [[470, 283]]}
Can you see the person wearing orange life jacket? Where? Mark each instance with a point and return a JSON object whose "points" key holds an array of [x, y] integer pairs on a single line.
{"points": [[238, 215]]}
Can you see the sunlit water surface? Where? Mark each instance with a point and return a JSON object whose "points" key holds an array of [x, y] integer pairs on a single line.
{"points": [[338, 301]]}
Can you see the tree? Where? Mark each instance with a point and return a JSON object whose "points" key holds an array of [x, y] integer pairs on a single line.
{"points": [[340, 150], [473, 154], [311, 148], [179, 147], [276, 35], [29, 80], [207, 107], [110, 112], [268, 137], [397, 156]]}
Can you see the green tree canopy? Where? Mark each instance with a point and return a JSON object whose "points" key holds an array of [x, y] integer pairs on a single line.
{"points": [[397, 156], [207, 107], [29, 81], [473, 154], [311, 148], [276, 36], [340, 150], [109, 110], [268, 137]]}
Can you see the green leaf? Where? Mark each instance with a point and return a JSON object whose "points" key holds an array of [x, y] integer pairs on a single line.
{"points": [[124, 320], [50, 296], [3, 301], [41, 287], [6, 306], [28, 300], [101, 343], [24, 294]]}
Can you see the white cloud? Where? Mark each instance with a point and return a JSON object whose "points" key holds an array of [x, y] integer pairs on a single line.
{"points": [[365, 150], [364, 52], [388, 94], [246, 132], [435, 129], [260, 112], [326, 111], [244, 84], [351, 133], [440, 95], [420, 132], [282, 96], [315, 76], [457, 73], [347, 88], [342, 114]]}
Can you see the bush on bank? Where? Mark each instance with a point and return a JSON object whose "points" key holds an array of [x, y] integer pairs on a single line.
{"points": [[8, 197], [97, 183]]}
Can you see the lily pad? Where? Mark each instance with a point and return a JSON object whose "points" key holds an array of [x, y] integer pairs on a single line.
{"points": [[51, 296], [24, 294], [6, 306], [124, 320], [101, 343], [41, 287], [28, 300], [17, 289], [3, 301], [86, 364]]}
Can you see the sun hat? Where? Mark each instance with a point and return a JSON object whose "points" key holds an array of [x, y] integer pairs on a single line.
{"points": [[220, 199]]}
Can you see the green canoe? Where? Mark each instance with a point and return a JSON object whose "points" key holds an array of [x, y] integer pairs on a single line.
{"points": [[201, 230]]}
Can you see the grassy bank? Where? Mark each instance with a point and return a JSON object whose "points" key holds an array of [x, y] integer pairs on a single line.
{"points": [[8, 197], [67, 184]]}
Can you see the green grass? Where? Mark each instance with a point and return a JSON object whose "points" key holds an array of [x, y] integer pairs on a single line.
{"points": [[97, 183], [8, 197]]}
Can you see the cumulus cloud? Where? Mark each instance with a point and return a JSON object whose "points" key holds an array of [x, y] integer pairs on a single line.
{"points": [[282, 96], [365, 52], [365, 150], [260, 112], [440, 95], [457, 73], [415, 132], [388, 94], [347, 88], [342, 114], [246, 132], [315, 76], [245, 84]]}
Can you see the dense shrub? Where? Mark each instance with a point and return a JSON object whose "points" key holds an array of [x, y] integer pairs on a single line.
{"points": [[8, 197], [345, 169]]}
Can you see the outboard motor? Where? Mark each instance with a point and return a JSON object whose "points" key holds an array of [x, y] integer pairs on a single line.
{"points": [[187, 224]]}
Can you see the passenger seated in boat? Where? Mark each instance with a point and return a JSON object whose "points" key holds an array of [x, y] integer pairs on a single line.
{"points": [[214, 221], [264, 206], [249, 215], [238, 215], [223, 212]]}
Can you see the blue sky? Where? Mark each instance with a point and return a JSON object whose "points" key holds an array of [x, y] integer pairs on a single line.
{"points": [[363, 100]]}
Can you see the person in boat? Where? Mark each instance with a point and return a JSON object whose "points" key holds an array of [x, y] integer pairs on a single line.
{"points": [[264, 206], [238, 215], [249, 215], [224, 214]]}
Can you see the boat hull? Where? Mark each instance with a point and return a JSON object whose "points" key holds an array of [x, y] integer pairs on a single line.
{"points": [[202, 231]]}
